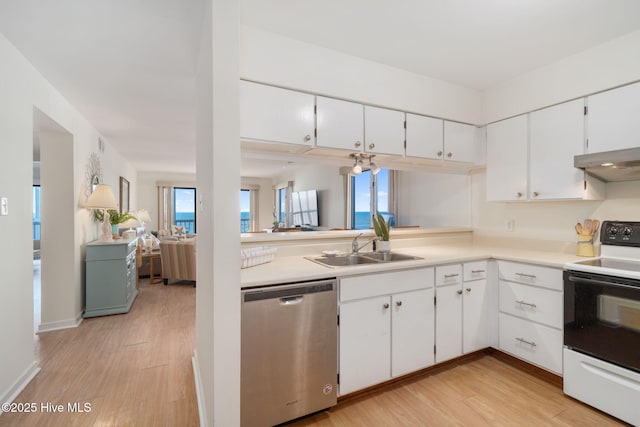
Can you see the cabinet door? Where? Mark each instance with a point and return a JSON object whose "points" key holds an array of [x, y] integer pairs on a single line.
{"points": [[507, 159], [612, 122], [424, 137], [383, 131], [459, 142], [412, 331], [475, 310], [448, 322], [557, 134], [365, 343], [273, 114], [340, 124]]}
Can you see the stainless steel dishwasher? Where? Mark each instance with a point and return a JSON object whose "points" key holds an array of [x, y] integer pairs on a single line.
{"points": [[289, 351]]}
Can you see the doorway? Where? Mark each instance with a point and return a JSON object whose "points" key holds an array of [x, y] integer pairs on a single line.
{"points": [[53, 216]]}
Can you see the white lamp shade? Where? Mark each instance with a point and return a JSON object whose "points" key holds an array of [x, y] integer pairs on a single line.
{"points": [[102, 198], [143, 216]]}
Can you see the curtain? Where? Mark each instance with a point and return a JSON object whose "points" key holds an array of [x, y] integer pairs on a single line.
{"points": [[165, 202]]}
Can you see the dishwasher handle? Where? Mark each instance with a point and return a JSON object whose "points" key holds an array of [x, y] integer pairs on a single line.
{"points": [[291, 300], [288, 292]]}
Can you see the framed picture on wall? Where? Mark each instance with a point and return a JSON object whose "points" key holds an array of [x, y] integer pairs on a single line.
{"points": [[124, 195]]}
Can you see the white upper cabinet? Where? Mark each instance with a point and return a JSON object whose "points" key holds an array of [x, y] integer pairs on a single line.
{"points": [[273, 114], [340, 124], [460, 142], [557, 134], [438, 139], [384, 131], [613, 119], [507, 159], [424, 137]]}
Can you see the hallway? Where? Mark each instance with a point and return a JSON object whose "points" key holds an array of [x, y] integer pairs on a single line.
{"points": [[132, 369]]}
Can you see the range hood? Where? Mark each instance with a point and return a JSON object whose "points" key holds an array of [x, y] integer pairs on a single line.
{"points": [[611, 166]]}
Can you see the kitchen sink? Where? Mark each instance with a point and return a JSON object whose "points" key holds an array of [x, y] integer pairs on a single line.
{"points": [[345, 260], [389, 256]]}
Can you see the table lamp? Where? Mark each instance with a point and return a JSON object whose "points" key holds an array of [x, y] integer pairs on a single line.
{"points": [[102, 198]]}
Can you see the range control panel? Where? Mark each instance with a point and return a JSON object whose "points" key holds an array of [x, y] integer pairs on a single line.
{"points": [[621, 233]]}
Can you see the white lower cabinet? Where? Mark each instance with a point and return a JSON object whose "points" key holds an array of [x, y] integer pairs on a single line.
{"points": [[530, 319], [462, 310], [385, 335], [448, 322], [365, 343], [475, 310], [535, 343], [412, 331]]}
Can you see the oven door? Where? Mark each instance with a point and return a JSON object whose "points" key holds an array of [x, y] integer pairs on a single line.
{"points": [[602, 317]]}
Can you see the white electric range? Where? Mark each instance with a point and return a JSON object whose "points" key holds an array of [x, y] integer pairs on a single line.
{"points": [[602, 324]]}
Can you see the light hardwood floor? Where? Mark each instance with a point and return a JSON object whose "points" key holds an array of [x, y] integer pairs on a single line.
{"points": [[482, 392], [135, 370]]}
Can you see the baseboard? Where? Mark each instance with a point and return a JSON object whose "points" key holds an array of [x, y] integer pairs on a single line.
{"points": [[202, 409], [20, 384], [60, 324], [527, 367]]}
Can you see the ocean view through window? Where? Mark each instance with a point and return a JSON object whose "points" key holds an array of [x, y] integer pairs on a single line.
{"points": [[184, 208], [245, 211], [363, 204]]}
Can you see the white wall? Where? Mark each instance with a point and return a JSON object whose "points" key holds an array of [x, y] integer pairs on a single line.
{"points": [[330, 185], [431, 199], [217, 358], [610, 64], [148, 193], [22, 90], [269, 58]]}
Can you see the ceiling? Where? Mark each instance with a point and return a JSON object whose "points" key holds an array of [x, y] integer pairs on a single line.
{"points": [[128, 65]]}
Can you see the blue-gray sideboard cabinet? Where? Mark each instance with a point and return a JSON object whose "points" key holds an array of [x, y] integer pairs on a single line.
{"points": [[110, 281]]}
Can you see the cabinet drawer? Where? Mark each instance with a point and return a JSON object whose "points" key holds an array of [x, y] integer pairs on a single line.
{"points": [[385, 283], [537, 344], [531, 274], [448, 274], [474, 270], [541, 305]]}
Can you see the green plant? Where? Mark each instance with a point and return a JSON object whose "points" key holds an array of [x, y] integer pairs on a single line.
{"points": [[381, 227], [115, 217]]}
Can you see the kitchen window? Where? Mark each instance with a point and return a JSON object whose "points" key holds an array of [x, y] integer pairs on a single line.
{"points": [[368, 193]]}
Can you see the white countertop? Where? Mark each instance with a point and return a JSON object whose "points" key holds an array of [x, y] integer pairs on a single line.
{"points": [[290, 269]]}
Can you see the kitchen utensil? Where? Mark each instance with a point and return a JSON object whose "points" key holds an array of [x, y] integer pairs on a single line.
{"points": [[579, 228], [594, 226], [586, 226]]}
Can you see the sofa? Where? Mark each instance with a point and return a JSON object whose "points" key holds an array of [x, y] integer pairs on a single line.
{"points": [[178, 260]]}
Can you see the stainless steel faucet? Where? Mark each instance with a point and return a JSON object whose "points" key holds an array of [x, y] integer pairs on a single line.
{"points": [[355, 247]]}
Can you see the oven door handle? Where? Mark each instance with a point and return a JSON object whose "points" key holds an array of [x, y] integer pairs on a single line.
{"points": [[576, 279]]}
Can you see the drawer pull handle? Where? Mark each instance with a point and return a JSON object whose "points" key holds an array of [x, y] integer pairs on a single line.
{"points": [[477, 271], [386, 305], [522, 340], [459, 292], [399, 303], [530, 276], [449, 276], [528, 304], [468, 289]]}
